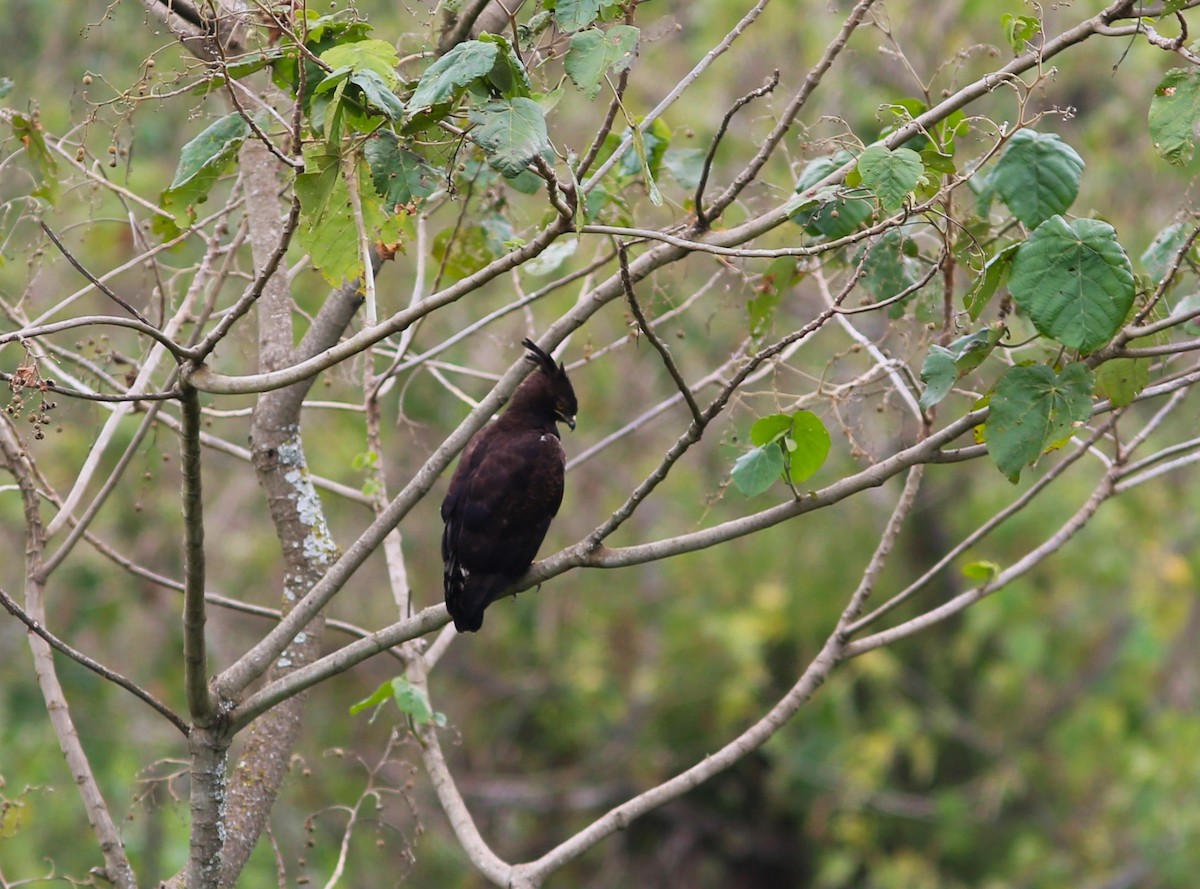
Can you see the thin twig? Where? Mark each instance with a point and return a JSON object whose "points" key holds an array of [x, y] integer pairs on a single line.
{"points": [[702, 219], [654, 338], [96, 282], [95, 666]]}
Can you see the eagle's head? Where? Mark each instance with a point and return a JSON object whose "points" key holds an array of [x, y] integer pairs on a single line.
{"points": [[547, 392]]}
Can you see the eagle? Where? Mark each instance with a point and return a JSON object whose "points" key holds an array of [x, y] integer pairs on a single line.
{"points": [[506, 489]]}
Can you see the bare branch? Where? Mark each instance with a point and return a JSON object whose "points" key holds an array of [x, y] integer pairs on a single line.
{"points": [[117, 869], [195, 654], [655, 341]]}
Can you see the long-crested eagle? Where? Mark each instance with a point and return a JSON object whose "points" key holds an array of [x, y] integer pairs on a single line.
{"points": [[506, 489]]}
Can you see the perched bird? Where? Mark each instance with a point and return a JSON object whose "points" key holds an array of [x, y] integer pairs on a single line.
{"points": [[506, 489]]}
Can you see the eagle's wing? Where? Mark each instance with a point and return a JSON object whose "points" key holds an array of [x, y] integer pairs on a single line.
{"points": [[507, 488]]}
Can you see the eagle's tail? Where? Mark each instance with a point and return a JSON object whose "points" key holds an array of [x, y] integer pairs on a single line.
{"points": [[468, 594]]}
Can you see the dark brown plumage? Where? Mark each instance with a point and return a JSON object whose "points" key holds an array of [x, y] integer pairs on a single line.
{"points": [[506, 489]]}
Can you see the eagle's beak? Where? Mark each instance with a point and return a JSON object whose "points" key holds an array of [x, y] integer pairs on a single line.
{"points": [[570, 421]]}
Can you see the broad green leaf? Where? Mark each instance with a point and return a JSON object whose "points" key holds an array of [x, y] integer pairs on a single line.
{"points": [[1074, 281], [447, 78], [685, 165], [886, 270], [585, 61], [939, 374], [592, 52], [758, 469], [511, 134], [890, 175], [770, 428], [400, 177], [201, 163], [378, 95], [812, 444], [464, 254], [413, 702], [1174, 112], [946, 364], [1019, 30], [574, 15], [552, 257], [378, 56], [832, 214], [1121, 379], [45, 168], [1158, 257], [995, 273], [1034, 409], [780, 275], [328, 230], [1186, 306], [315, 186], [1037, 176], [410, 700], [981, 570], [508, 74]]}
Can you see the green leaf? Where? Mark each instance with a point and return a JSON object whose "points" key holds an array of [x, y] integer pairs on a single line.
{"points": [[1158, 257], [1074, 281], [1121, 379], [834, 214], [378, 95], [758, 469], [890, 175], [465, 254], [400, 177], [1034, 409], [981, 570], [411, 701], [685, 165], [939, 375], [1019, 30], [995, 273], [244, 66], [591, 53], [1174, 112], [328, 230], [377, 56], [886, 270], [1037, 176], [201, 163], [770, 428], [508, 75], [447, 78], [551, 258], [316, 185], [511, 134], [780, 275], [574, 15], [1186, 306], [380, 696], [45, 168], [812, 445], [945, 365]]}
